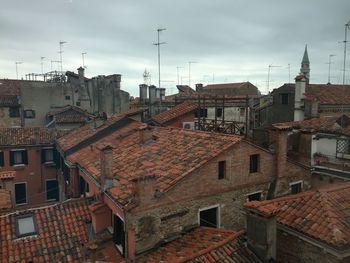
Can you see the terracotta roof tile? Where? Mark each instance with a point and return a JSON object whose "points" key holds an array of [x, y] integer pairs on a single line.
{"points": [[5, 201], [336, 124], [29, 136], [9, 88], [168, 154], [203, 244], [322, 214], [176, 112], [61, 235], [7, 175]]}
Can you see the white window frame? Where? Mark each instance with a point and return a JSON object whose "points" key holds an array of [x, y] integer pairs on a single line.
{"points": [[46, 190], [14, 185], [294, 183], [256, 192], [218, 216]]}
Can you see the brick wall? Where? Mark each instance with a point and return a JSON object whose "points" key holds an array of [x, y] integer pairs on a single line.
{"points": [[155, 219], [177, 122]]}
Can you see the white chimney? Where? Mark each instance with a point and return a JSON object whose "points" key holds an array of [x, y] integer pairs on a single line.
{"points": [[299, 96]]}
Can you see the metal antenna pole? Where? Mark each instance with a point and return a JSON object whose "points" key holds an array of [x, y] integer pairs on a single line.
{"points": [[82, 55], [329, 67], [158, 45], [189, 72], [178, 79], [347, 26], [42, 63], [17, 63], [268, 77], [61, 45]]}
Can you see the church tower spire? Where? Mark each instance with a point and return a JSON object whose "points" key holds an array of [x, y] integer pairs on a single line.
{"points": [[305, 65]]}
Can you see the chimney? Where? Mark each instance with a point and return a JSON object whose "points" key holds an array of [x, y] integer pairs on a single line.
{"points": [[162, 94], [106, 163], [299, 96], [199, 87], [81, 74], [151, 99], [143, 93], [261, 234], [145, 133]]}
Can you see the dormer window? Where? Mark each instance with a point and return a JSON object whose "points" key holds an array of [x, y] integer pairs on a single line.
{"points": [[25, 226]]}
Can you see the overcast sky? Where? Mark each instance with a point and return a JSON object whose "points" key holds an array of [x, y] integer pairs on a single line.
{"points": [[232, 40]]}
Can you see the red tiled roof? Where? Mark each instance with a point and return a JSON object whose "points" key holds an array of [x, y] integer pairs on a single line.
{"points": [[322, 214], [61, 235], [9, 88], [70, 114], [237, 85], [336, 124], [8, 101], [176, 112], [203, 244], [28, 136], [329, 93], [7, 175], [168, 156], [78, 135], [5, 203]]}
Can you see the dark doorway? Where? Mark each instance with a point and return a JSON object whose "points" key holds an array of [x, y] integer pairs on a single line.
{"points": [[119, 234], [52, 192], [209, 217], [20, 193]]}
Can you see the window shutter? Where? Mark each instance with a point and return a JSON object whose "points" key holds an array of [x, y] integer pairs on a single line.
{"points": [[12, 158], [24, 157]]}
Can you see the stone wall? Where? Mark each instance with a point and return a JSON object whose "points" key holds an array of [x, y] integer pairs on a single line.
{"points": [[6, 120]]}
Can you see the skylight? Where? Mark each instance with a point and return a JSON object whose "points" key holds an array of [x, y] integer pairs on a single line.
{"points": [[25, 226]]}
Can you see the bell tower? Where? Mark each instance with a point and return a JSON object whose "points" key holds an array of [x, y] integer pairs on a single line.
{"points": [[305, 66]]}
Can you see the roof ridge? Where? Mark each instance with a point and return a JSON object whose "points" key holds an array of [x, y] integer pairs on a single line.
{"points": [[233, 236]]}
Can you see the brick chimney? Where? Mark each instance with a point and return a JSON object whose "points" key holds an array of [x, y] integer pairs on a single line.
{"points": [[106, 163], [152, 99], [145, 133], [143, 93], [261, 234]]}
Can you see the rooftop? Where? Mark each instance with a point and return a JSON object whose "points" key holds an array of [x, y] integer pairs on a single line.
{"points": [[323, 214], [60, 234], [336, 125], [203, 244], [167, 155], [28, 136], [9, 88], [237, 85], [177, 111]]}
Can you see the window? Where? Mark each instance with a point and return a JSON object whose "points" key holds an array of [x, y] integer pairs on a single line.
{"points": [[242, 112], [20, 193], [52, 190], [83, 186], [67, 97], [25, 226], [209, 217], [119, 233], [14, 112], [29, 114], [221, 169], [219, 112], [284, 98], [254, 196], [254, 163], [1, 159], [78, 103], [202, 113], [18, 157], [47, 155], [295, 187]]}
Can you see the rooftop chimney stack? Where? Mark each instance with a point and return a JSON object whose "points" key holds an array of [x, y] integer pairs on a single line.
{"points": [[199, 87], [143, 93], [151, 99], [145, 133], [106, 163], [299, 96]]}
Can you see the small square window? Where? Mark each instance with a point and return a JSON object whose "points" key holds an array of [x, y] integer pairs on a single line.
{"points": [[295, 188], [219, 112], [67, 97], [78, 103], [254, 163], [18, 157], [14, 112], [254, 197], [25, 226], [47, 155], [221, 169], [284, 98], [29, 114]]}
